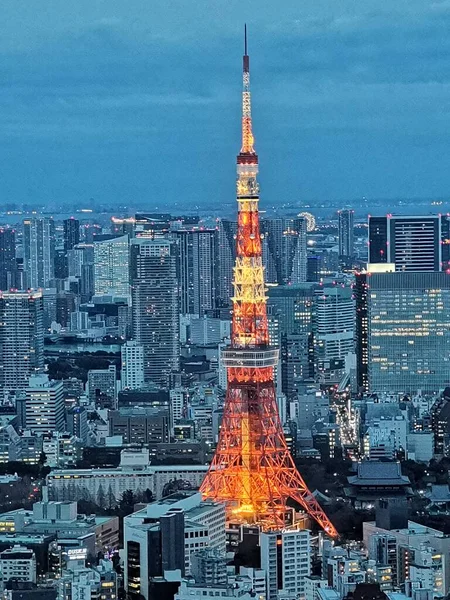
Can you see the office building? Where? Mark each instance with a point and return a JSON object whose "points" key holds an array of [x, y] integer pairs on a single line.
{"points": [[21, 338], [39, 251], [293, 306], [198, 274], [411, 243], [345, 232], [102, 386], [334, 328], [361, 332], [44, 405], [132, 373], [178, 527], [8, 265], [140, 425], [286, 559], [71, 233], [407, 345], [111, 265], [155, 306]]}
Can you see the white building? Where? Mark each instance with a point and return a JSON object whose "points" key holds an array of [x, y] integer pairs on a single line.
{"points": [[312, 584], [334, 324], [82, 583], [344, 574], [39, 251], [111, 265], [236, 587], [61, 449], [132, 374], [286, 559], [423, 555], [204, 523], [72, 484], [177, 402], [18, 563], [44, 406]]}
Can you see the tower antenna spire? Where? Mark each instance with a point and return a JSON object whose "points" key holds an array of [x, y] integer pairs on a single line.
{"points": [[245, 39]]}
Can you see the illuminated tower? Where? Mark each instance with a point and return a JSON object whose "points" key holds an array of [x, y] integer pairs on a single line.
{"points": [[252, 470]]}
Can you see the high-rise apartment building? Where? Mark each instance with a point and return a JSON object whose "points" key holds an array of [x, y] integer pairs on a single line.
{"points": [[411, 243], [406, 322], [39, 251], [155, 306], [7, 258], [198, 273], [111, 265], [44, 405], [345, 232], [286, 559], [21, 338], [77, 256], [132, 375], [226, 257], [284, 250], [71, 233]]}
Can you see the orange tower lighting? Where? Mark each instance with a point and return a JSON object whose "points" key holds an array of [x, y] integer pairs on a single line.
{"points": [[252, 470]]}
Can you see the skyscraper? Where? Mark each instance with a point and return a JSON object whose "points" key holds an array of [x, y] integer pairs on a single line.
{"points": [[345, 232], [39, 251], [408, 332], [226, 256], [44, 405], [361, 331], [197, 270], [111, 265], [21, 338], [155, 305], [284, 250], [412, 243], [334, 330], [71, 233], [7, 258]]}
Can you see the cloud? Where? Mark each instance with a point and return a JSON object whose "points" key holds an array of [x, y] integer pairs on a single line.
{"points": [[167, 79]]}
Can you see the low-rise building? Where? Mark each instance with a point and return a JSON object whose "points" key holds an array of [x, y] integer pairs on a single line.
{"points": [[18, 563]]}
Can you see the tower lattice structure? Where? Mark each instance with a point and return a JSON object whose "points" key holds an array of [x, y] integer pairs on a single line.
{"points": [[252, 470]]}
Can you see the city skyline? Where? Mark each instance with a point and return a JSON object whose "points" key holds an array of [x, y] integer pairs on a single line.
{"points": [[101, 99]]}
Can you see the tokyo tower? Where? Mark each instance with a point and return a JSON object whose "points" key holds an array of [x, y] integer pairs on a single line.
{"points": [[252, 470]]}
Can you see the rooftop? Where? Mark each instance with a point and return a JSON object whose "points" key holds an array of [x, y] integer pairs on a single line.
{"points": [[377, 473]]}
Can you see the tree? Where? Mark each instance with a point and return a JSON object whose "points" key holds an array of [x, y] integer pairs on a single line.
{"points": [[101, 498], [110, 499], [127, 500], [147, 495]]}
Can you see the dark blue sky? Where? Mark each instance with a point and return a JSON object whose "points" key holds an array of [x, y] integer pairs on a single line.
{"points": [[138, 101]]}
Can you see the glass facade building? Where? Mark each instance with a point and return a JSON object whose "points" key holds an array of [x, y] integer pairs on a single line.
{"points": [[408, 328]]}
